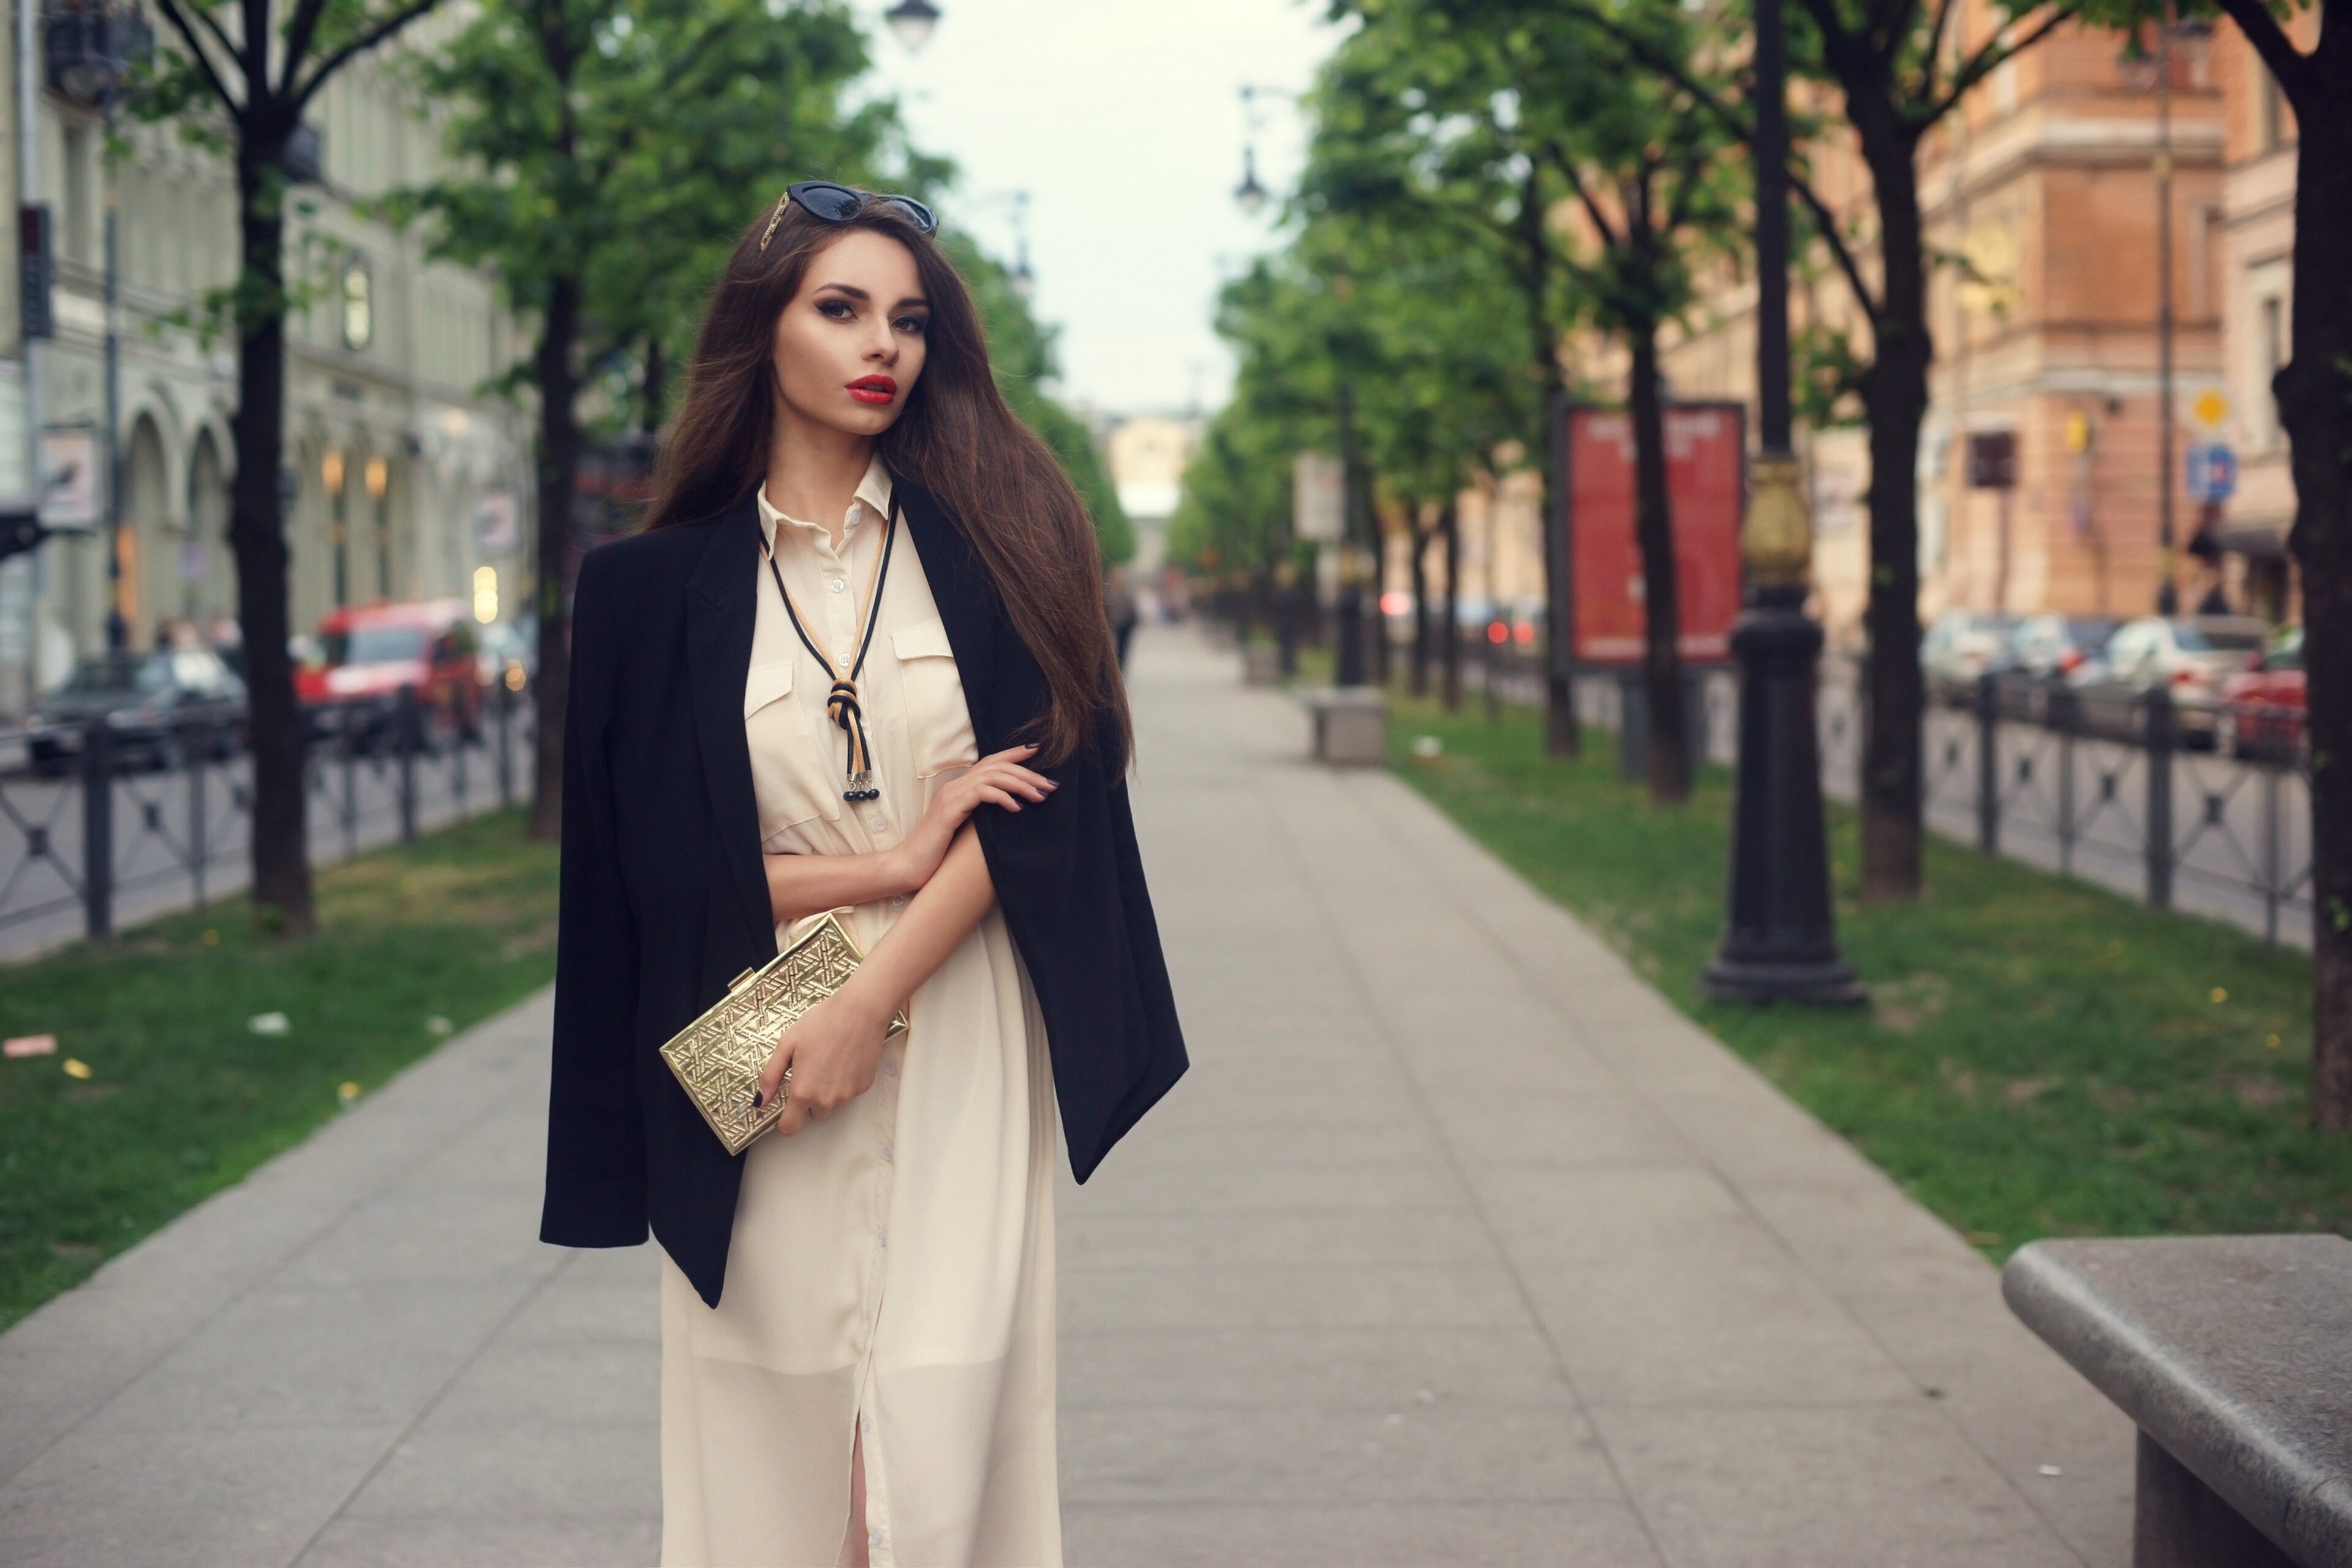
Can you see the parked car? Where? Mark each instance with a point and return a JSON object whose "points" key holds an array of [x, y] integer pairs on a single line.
{"points": [[2053, 645], [367, 654], [2189, 656], [154, 704], [2044, 651], [2262, 710], [1961, 646]]}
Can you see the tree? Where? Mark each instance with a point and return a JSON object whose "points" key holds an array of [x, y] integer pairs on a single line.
{"points": [[1021, 351], [1477, 117], [2314, 390], [1409, 334], [239, 82], [1649, 174], [1424, 122], [608, 152], [1895, 79]]}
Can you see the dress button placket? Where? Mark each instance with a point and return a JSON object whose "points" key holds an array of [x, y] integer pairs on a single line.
{"points": [[885, 1124]]}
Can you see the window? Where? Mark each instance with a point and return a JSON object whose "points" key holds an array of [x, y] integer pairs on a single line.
{"points": [[80, 210], [2271, 111]]}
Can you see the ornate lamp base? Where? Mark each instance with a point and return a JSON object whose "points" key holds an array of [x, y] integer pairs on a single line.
{"points": [[1779, 941]]}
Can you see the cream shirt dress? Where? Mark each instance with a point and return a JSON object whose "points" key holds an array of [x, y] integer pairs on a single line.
{"points": [[891, 1270]]}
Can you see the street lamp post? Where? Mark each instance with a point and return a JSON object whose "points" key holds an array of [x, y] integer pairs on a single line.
{"points": [[2167, 596], [1780, 943], [1350, 663]]}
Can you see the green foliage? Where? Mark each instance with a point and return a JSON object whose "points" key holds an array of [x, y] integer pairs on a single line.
{"points": [[1021, 351], [2041, 1058], [625, 144], [1425, 278], [182, 1099], [235, 76], [1402, 301]]}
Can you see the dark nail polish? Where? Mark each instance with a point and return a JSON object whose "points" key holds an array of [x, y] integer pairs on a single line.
{"points": [[759, 1099]]}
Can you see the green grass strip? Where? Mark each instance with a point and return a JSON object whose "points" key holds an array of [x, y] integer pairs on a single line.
{"points": [[184, 1098], [2039, 1058]]}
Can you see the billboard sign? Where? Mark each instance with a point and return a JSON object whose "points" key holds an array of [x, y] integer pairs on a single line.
{"points": [[1319, 513], [70, 487], [1706, 479]]}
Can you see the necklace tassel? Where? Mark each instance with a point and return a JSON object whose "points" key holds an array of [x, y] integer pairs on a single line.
{"points": [[842, 706]]}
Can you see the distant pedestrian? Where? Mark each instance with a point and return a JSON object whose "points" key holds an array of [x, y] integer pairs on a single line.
{"points": [[853, 538], [1119, 609]]}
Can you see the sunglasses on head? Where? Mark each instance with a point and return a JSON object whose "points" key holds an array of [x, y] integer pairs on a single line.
{"points": [[829, 202]]}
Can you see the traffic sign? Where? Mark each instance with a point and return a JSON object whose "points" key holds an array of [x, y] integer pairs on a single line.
{"points": [[2212, 473], [2209, 408]]}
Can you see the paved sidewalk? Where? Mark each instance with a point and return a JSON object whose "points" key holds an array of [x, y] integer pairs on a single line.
{"points": [[1458, 1245]]}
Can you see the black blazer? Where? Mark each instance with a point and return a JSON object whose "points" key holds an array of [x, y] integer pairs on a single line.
{"points": [[664, 900]]}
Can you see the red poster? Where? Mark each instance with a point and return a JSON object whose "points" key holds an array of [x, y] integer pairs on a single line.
{"points": [[1705, 479]]}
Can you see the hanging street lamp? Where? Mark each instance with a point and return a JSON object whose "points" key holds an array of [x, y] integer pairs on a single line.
{"points": [[1779, 942], [911, 22], [1249, 195]]}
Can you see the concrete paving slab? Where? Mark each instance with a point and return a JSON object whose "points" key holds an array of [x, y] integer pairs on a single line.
{"points": [[364, 1356], [1244, 1369], [182, 1499], [1353, 1237], [1352, 1453], [1587, 1532], [1459, 1244], [513, 1540], [1789, 1487]]}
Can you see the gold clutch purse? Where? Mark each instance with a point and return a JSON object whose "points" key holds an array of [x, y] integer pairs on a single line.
{"points": [[717, 1057]]}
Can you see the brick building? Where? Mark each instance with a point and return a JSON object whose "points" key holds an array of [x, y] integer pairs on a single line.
{"points": [[2043, 189]]}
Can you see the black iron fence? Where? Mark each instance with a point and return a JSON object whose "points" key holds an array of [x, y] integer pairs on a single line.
{"points": [[110, 829], [2204, 808]]}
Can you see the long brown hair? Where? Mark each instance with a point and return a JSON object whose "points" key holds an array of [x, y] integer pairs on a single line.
{"points": [[955, 438]]}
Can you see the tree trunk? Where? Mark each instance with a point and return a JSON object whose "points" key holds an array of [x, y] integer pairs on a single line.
{"points": [[1894, 393], [1561, 736], [1420, 608], [281, 851], [1449, 526], [655, 389], [1654, 528], [2315, 400], [559, 462], [1376, 618]]}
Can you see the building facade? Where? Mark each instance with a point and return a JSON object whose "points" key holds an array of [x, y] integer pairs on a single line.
{"points": [[405, 481], [2257, 268], [2039, 463]]}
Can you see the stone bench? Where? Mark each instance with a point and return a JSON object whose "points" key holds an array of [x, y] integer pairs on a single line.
{"points": [[2233, 1355], [1352, 723]]}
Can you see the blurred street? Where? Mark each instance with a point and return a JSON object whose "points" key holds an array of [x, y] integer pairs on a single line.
{"points": [[1458, 1245]]}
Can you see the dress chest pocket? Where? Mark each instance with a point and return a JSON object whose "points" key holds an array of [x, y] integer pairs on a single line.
{"points": [[939, 726], [789, 779]]}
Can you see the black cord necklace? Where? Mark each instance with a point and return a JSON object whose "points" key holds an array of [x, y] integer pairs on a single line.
{"points": [[841, 704]]}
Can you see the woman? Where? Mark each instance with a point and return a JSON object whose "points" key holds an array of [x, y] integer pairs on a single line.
{"points": [[857, 661]]}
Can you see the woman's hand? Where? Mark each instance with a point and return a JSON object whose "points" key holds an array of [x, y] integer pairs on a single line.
{"points": [[997, 780], [832, 1051]]}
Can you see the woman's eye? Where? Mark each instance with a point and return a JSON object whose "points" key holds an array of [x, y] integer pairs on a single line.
{"points": [[836, 310], [914, 324]]}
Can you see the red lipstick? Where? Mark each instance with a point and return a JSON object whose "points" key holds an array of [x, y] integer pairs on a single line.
{"points": [[878, 390]]}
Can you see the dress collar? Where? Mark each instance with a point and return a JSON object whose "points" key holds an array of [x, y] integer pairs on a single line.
{"points": [[873, 495]]}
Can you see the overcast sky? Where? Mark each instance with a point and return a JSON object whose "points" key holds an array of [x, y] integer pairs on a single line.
{"points": [[1122, 120]]}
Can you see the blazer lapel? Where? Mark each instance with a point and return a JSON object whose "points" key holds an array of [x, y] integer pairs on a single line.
{"points": [[967, 604], [720, 612]]}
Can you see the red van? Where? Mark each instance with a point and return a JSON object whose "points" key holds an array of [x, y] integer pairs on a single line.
{"points": [[367, 653]]}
